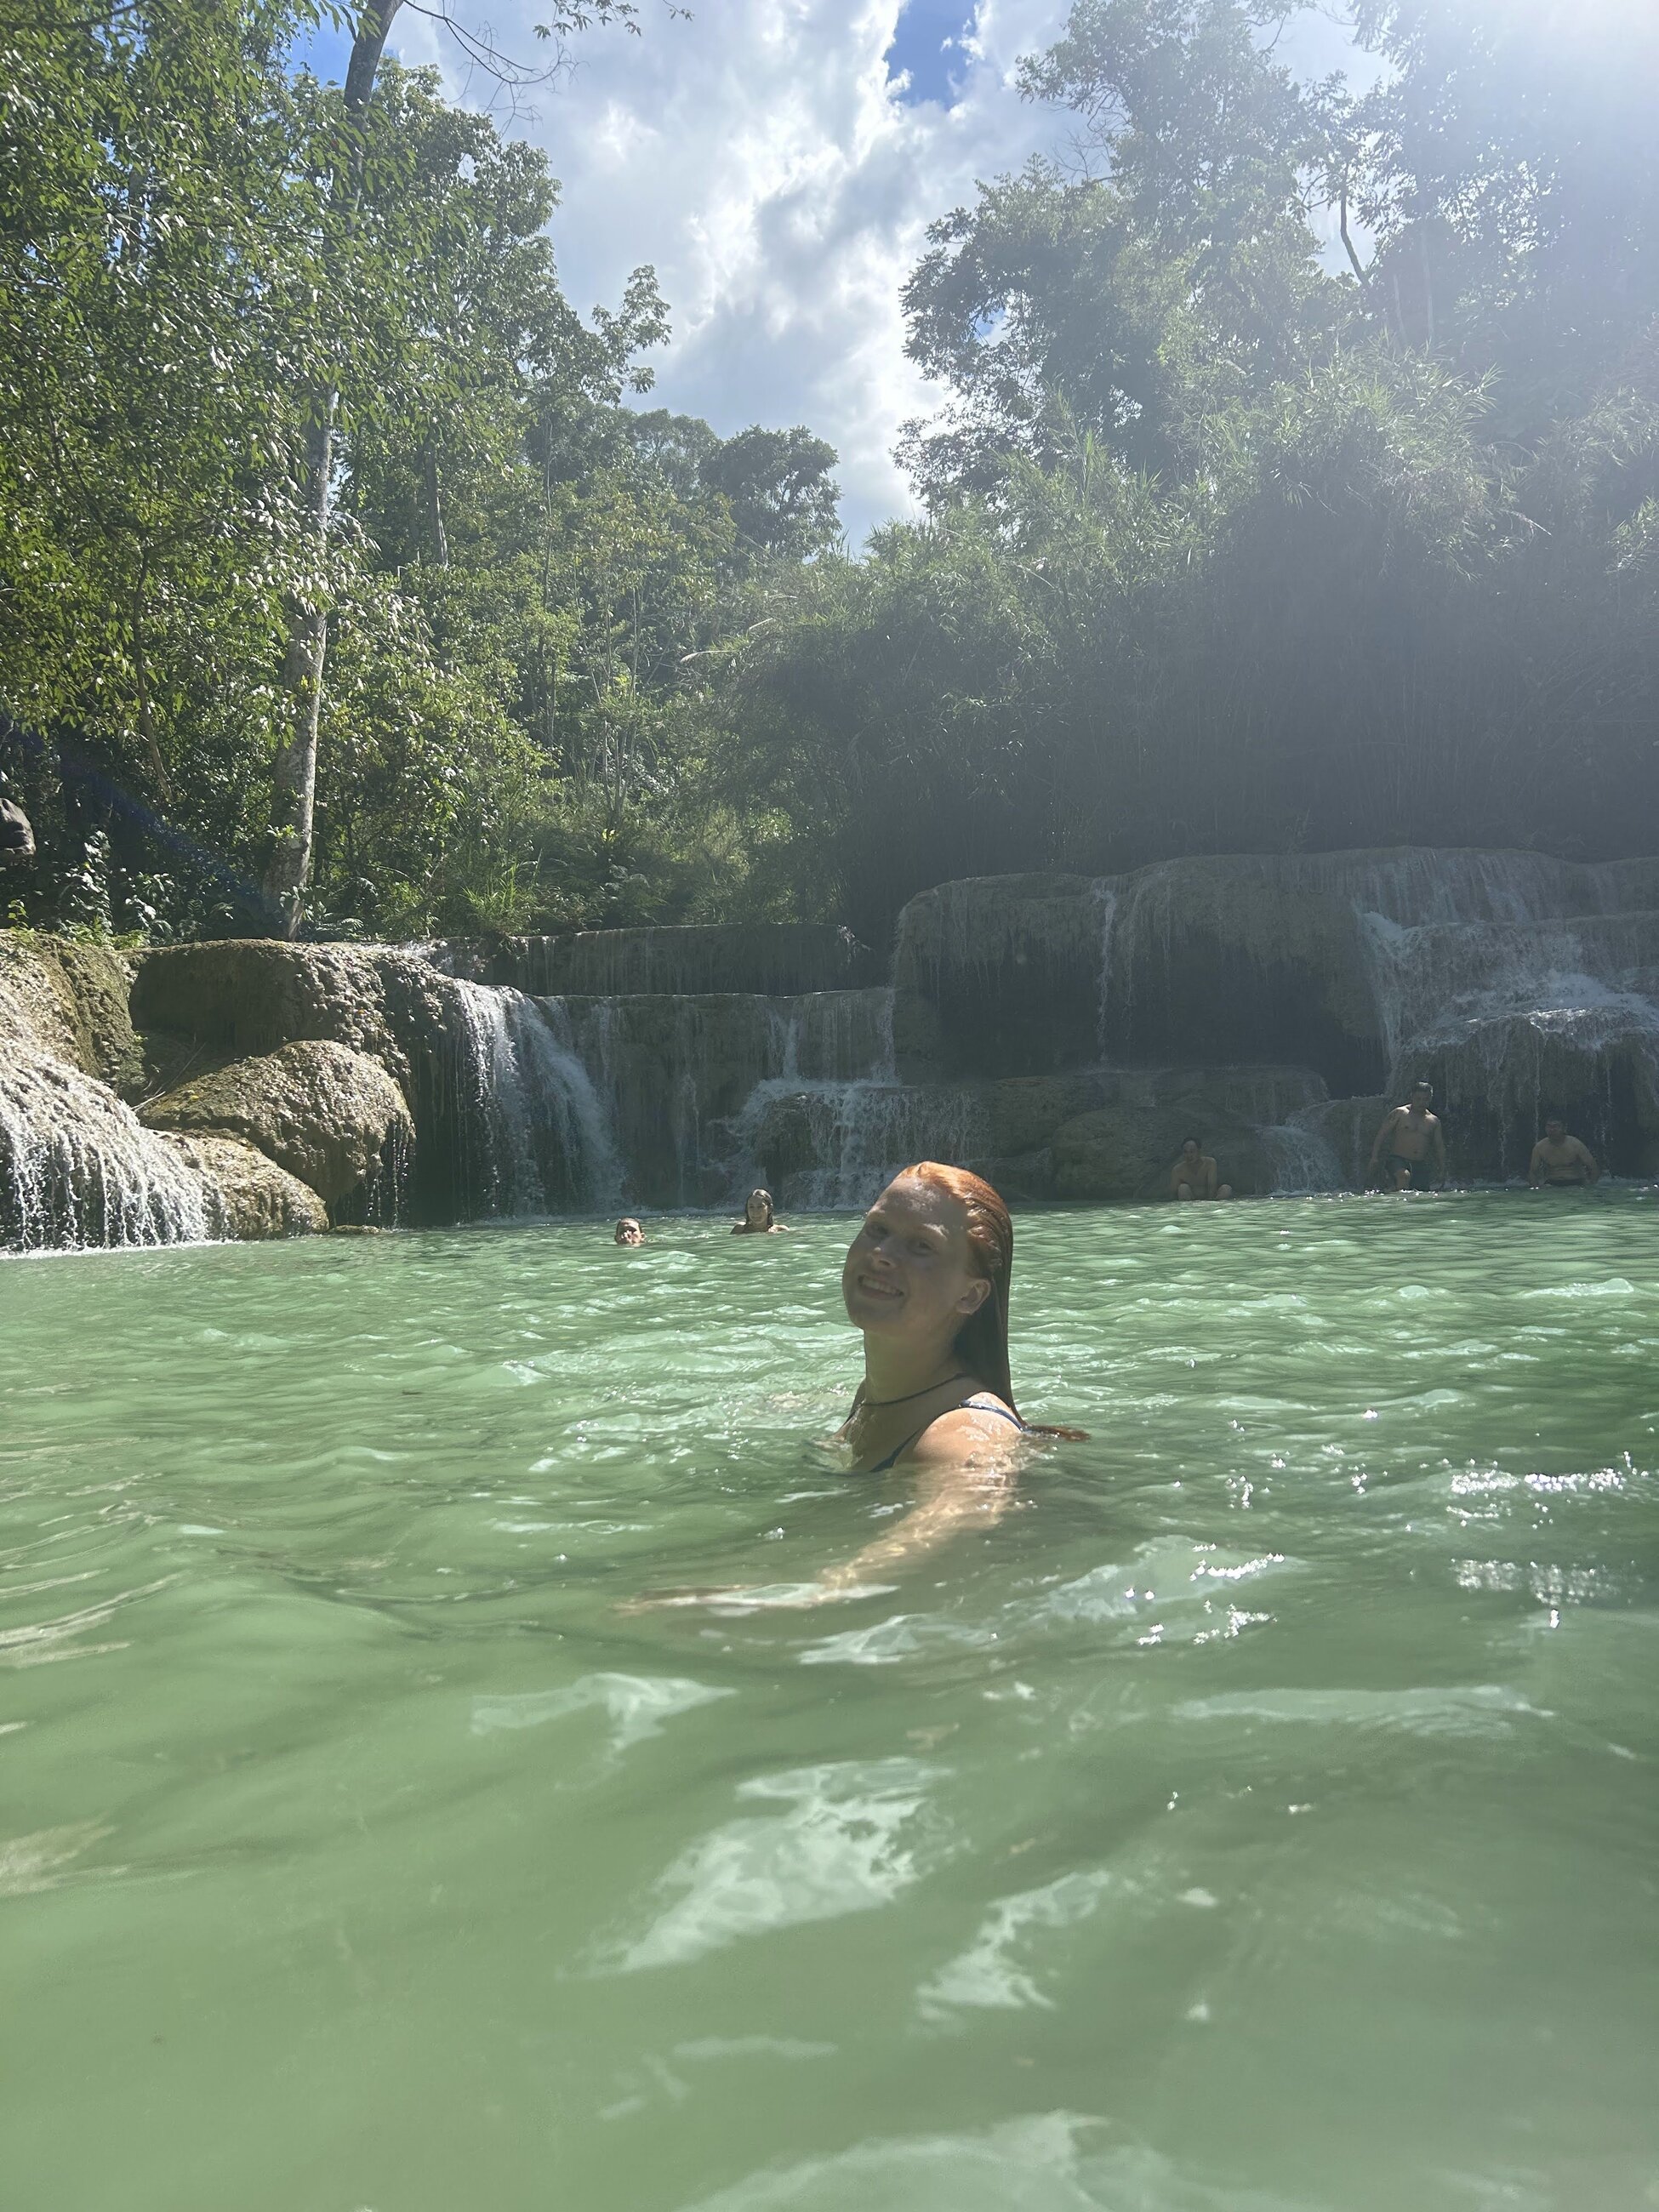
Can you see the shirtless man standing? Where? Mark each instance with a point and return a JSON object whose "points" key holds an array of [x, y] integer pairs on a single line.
{"points": [[1416, 1143], [1194, 1174], [1560, 1161]]}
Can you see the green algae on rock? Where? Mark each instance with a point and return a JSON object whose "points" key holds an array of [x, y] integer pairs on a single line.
{"points": [[328, 1115]]}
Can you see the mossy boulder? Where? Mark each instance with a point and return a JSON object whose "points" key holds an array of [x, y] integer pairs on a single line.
{"points": [[328, 1115], [255, 1198], [70, 1000], [251, 995]]}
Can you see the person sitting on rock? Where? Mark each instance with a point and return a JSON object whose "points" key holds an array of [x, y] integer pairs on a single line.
{"points": [[1561, 1162], [1194, 1175], [629, 1230], [759, 1217], [1416, 1143]]}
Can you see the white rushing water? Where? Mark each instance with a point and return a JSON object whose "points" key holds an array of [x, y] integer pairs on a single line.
{"points": [[547, 1141], [77, 1167]]}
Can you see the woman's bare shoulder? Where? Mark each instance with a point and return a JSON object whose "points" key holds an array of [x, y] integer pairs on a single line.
{"points": [[983, 1432]]}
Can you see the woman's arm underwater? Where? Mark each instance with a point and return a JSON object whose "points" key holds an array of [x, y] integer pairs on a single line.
{"points": [[965, 1477]]}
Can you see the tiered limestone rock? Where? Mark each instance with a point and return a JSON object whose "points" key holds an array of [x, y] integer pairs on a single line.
{"points": [[328, 1115], [77, 1165]]}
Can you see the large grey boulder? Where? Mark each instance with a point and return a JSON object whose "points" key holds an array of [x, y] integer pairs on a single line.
{"points": [[327, 1114], [250, 995], [251, 1197]]}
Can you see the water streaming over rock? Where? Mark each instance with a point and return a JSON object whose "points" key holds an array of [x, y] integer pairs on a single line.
{"points": [[1513, 978], [1303, 1157], [77, 1168], [547, 1144], [1061, 1033]]}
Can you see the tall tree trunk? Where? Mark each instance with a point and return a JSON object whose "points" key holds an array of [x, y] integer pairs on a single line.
{"points": [[293, 787], [435, 499]]}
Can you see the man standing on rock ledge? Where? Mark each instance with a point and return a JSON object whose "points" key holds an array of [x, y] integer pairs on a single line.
{"points": [[1416, 1142]]}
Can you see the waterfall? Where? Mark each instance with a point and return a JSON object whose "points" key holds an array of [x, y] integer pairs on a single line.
{"points": [[842, 1141], [1304, 1159], [76, 1167], [1105, 896], [842, 1133], [546, 1141], [564, 1102], [1051, 1028]]}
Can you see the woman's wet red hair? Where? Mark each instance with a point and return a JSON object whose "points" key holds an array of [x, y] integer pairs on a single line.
{"points": [[982, 1342]]}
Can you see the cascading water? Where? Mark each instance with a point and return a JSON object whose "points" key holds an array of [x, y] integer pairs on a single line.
{"points": [[76, 1168], [1303, 1159], [1516, 980], [1105, 896], [546, 1144], [1062, 1032]]}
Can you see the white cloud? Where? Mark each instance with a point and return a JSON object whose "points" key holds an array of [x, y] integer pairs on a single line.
{"points": [[759, 157]]}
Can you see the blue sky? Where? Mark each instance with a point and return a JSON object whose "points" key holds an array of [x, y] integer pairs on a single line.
{"points": [[928, 53], [779, 162]]}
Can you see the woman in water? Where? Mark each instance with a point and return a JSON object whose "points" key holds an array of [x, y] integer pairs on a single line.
{"points": [[758, 1218], [926, 1281]]}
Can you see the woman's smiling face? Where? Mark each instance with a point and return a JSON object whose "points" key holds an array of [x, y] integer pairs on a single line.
{"points": [[909, 1271]]}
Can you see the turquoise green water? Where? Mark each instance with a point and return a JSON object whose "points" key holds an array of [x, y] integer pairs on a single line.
{"points": [[1264, 1817]]}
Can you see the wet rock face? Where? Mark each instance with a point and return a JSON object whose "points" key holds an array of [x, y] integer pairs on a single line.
{"points": [[70, 1000], [325, 1114], [252, 1199], [247, 996], [762, 959]]}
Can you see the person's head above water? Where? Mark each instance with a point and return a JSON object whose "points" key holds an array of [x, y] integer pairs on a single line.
{"points": [[1422, 1091], [629, 1230], [1191, 1149], [928, 1274], [758, 1210], [1555, 1129]]}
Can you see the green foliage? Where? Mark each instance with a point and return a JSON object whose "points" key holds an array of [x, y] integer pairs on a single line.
{"points": [[209, 264], [1297, 484], [1235, 544]]}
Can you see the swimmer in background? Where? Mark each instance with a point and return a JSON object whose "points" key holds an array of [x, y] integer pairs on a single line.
{"points": [[629, 1230], [926, 1282], [758, 1218], [1561, 1162], [1416, 1143], [1194, 1175]]}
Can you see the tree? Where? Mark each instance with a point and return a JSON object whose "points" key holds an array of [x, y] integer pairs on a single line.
{"points": [[345, 168], [777, 484], [1140, 300]]}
